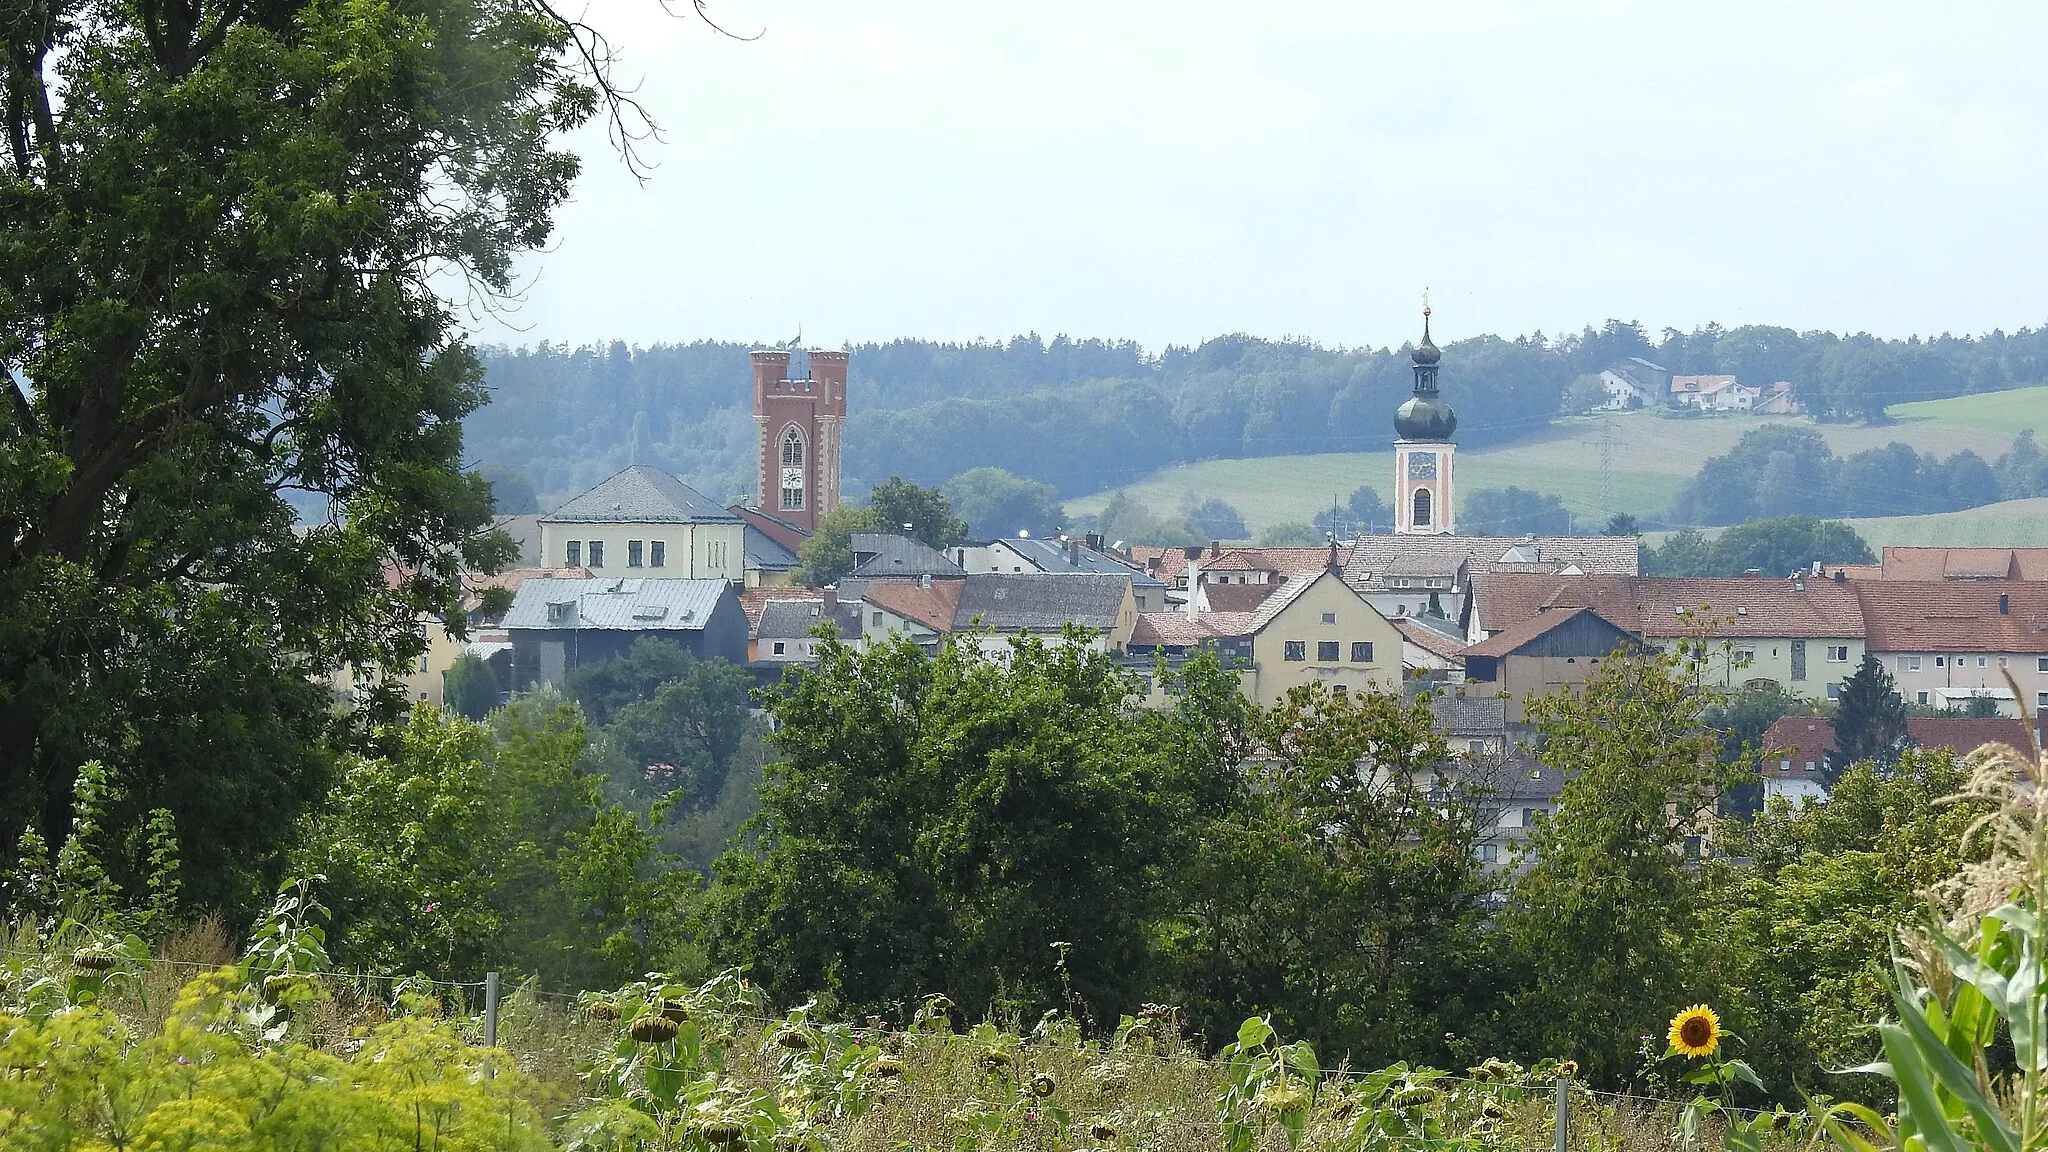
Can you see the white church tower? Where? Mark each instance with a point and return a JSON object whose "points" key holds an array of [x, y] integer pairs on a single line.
{"points": [[1423, 504]]}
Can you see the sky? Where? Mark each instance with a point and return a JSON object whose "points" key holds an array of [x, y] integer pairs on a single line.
{"points": [[1172, 171]]}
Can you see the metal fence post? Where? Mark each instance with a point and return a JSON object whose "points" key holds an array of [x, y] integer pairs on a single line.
{"points": [[491, 1017], [1564, 1096]]}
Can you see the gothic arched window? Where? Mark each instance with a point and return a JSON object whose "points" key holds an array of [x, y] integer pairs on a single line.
{"points": [[1421, 517], [792, 470]]}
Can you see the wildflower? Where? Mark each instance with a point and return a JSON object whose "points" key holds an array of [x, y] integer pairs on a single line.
{"points": [[995, 1058], [1102, 1131], [652, 1029], [1492, 1110], [886, 1066], [1288, 1097], [432, 907], [1043, 1085], [1568, 1070], [1696, 1031], [1417, 1096]]}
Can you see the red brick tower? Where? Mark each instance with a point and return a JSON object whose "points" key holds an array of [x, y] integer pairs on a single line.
{"points": [[799, 422]]}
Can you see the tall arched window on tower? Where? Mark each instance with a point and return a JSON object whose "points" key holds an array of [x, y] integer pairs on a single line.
{"points": [[1421, 517], [792, 470]]}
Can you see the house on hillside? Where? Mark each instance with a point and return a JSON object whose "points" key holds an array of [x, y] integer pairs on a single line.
{"points": [[1073, 555], [1947, 641], [1804, 635], [1634, 383], [1543, 654], [556, 626], [1713, 393], [1777, 400], [1002, 605]]}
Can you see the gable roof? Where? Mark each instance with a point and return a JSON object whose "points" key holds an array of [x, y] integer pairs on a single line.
{"points": [[1239, 597], [607, 602], [1008, 602], [1963, 616], [641, 494], [1057, 558], [1470, 715], [764, 553], [1704, 385], [887, 554], [1173, 561], [790, 536], [1904, 563], [1374, 558], [1287, 594], [934, 607], [1508, 640], [1743, 606], [789, 618]]}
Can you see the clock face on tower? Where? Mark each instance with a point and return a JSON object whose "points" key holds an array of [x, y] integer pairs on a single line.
{"points": [[792, 477], [1422, 465]]}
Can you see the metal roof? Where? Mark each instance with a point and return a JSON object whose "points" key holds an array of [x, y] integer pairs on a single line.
{"points": [[641, 495], [609, 602], [787, 619], [1007, 602], [888, 554], [1057, 559], [766, 552]]}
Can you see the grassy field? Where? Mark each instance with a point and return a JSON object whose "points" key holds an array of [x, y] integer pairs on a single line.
{"points": [[2014, 523], [2006, 412], [1648, 457]]}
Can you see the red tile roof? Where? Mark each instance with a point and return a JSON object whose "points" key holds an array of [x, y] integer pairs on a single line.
{"points": [[1813, 737], [1959, 616], [1238, 597], [1428, 639], [1507, 640], [1181, 630], [1902, 563], [933, 607], [1650, 605]]}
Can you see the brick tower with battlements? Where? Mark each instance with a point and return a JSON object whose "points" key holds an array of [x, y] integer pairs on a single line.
{"points": [[799, 410]]}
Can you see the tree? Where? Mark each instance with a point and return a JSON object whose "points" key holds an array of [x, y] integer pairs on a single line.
{"points": [[1597, 933], [996, 503], [1785, 545], [828, 554], [470, 688], [1217, 520], [1005, 828], [1336, 896], [220, 228], [680, 740], [1513, 511], [511, 489], [1684, 553], [921, 513], [1372, 514], [1621, 524], [1585, 393], [1290, 534], [1870, 719], [484, 846]]}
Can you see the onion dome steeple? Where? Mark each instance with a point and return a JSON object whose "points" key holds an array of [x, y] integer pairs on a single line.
{"points": [[1424, 416]]}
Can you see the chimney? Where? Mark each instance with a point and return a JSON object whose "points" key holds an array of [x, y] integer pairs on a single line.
{"points": [[1095, 541], [925, 580], [1215, 549], [1336, 569], [832, 601], [2004, 604], [1840, 576], [1073, 553], [1152, 564]]}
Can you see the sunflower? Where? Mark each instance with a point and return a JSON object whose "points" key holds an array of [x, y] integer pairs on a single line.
{"points": [[1696, 1031]]}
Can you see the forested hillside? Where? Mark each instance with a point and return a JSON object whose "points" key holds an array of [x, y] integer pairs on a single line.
{"points": [[1085, 415]]}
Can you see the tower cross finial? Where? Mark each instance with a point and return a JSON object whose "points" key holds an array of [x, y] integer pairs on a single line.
{"points": [[1425, 302]]}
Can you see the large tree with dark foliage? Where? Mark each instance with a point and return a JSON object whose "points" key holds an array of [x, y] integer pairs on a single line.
{"points": [[1870, 719], [218, 224]]}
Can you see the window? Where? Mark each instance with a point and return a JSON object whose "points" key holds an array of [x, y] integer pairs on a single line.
{"points": [[1475, 747], [1909, 664], [1329, 617], [1295, 650], [792, 469], [572, 553], [1937, 662], [1421, 517], [2040, 700], [876, 620], [1339, 689], [2041, 663], [657, 553], [633, 551], [1327, 651], [1982, 661], [1361, 651], [1529, 817], [423, 665], [1920, 697], [597, 553], [1488, 853], [1834, 691], [1838, 653], [778, 647]]}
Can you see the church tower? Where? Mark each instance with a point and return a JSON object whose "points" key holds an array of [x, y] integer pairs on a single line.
{"points": [[1423, 425], [799, 409]]}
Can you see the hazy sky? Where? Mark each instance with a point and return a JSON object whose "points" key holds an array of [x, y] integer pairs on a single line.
{"points": [[1172, 171]]}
